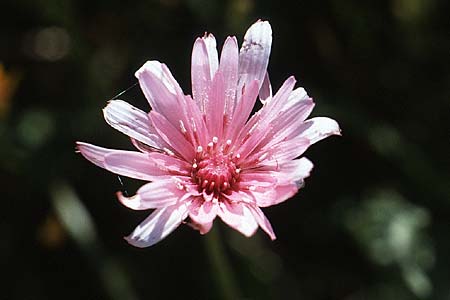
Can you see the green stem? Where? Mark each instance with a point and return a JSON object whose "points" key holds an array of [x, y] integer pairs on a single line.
{"points": [[220, 266]]}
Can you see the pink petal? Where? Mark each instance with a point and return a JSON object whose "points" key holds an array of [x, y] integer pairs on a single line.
{"points": [[273, 108], [262, 221], [170, 164], [195, 124], [157, 194], [172, 136], [265, 92], [229, 64], [127, 163], [132, 122], [254, 53], [243, 109], [274, 196], [201, 72], [202, 228], [205, 228], [318, 128], [203, 212], [294, 170], [270, 111], [215, 107], [158, 225], [286, 127], [161, 90], [298, 95], [211, 49], [238, 216], [290, 149], [251, 179]]}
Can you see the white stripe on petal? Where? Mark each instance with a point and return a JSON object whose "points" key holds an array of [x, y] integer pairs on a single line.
{"points": [[158, 225], [200, 73], [157, 194], [238, 216], [254, 53], [318, 128], [262, 221]]}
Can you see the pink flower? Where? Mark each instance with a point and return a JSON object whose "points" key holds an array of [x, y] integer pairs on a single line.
{"points": [[202, 155]]}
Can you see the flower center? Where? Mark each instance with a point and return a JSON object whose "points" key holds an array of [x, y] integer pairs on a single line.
{"points": [[214, 170]]}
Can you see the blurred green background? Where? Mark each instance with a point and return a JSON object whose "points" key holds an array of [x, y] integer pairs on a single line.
{"points": [[372, 222]]}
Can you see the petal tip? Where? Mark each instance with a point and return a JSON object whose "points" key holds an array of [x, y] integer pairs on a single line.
{"points": [[135, 243]]}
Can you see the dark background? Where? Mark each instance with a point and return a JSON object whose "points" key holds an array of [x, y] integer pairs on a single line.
{"points": [[372, 222]]}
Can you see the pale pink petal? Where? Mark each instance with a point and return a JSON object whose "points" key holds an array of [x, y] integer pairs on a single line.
{"points": [[201, 74], [274, 196], [296, 96], [238, 216], [252, 139], [215, 107], [203, 212], [127, 163], [265, 92], [157, 194], [286, 127], [273, 108], [161, 90], [195, 123], [243, 109], [211, 49], [158, 225], [283, 131], [254, 53], [202, 228], [132, 122], [251, 179], [205, 228], [262, 221], [172, 165], [172, 136], [318, 128], [229, 64], [294, 170], [289, 149]]}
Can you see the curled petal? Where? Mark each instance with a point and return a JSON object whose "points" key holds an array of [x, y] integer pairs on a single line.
{"points": [[318, 128], [158, 225]]}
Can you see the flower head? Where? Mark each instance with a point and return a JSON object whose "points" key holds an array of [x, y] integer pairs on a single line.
{"points": [[203, 155]]}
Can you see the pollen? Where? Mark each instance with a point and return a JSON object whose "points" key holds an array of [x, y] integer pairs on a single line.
{"points": [[214, 169]]}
